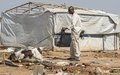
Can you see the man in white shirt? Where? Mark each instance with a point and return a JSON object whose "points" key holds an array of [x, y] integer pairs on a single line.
{"points": [[75, 28]]}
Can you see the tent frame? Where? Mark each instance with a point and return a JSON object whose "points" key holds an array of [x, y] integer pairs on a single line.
{"points": [[28, 7]]}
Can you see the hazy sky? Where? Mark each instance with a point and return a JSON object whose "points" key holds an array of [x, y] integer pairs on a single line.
{"points": [[112, 6]]}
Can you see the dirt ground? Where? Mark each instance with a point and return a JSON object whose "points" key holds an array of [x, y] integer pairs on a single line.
{"points": [[91, 61]]}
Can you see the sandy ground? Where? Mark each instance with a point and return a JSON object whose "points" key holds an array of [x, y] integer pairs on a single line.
{"points": [[105, 60]]}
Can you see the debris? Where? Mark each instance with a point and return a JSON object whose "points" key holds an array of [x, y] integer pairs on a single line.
{"points": [[86, 64], [11, 49], [95, 62], [71, 64], [29, 64], [40, 49], [36, 54], [17, 55], [99, 71], [58, 72], [20, 54], [10, 63], [115, 70], [39, 70], [47, 63], [62, 63]]}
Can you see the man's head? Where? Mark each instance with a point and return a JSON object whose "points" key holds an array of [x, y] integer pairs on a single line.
{"points": [[71, 10]]}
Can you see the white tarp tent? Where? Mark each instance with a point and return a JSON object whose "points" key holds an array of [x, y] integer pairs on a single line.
{"points": [[41, 28]]}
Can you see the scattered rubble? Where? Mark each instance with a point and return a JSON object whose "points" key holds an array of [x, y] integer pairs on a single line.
{"points": [[93, 63], [62, 63]]}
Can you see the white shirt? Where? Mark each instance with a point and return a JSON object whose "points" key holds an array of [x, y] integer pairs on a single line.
{"points": [[75, 22]]}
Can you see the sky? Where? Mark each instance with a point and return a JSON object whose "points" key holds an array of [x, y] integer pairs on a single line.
{"points": [[111, 6]]}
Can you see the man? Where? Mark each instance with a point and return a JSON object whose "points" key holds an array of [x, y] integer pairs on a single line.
{"points": [[75, 28]]}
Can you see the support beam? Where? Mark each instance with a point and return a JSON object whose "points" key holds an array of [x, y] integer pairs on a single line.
{"points": [[18, 7], [31, 9]]}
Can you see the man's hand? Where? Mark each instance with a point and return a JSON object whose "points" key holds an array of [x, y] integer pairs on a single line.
{"points": [[64, 28], [81, 34]]}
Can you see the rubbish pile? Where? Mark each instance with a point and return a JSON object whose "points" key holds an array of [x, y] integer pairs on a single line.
{"points": [[29, 54]]}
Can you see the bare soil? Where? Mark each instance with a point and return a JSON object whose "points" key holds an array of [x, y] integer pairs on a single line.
{"points": [[105, 60]]}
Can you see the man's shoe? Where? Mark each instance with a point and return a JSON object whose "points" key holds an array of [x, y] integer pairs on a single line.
{"points": [[70, 58], [73, 59], [77, 59]]}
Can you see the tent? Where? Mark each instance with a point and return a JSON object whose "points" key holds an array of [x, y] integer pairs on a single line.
{"points": [[41, 27]]}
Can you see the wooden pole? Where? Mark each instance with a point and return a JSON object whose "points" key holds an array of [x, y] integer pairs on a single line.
{"points": [[4, 58]]}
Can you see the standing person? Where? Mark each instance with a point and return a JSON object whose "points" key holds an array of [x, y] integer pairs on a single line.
{"points": [[75, 28]]}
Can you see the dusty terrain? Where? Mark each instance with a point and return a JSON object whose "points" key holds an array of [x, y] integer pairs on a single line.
{"points": [[89, 63]]}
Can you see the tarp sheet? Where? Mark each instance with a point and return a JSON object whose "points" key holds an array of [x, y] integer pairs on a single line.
{"points": [[91, 24], [95, 27], [27, 29], [37, 29]]}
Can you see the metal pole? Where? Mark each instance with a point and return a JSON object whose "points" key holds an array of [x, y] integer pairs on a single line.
{"points": [[4, 58], [114, 42], [53, 36], [103, 41]]}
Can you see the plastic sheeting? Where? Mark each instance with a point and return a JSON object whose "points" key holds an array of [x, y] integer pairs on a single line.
{"points": [[96, 27], [37, 29], [27, 29], [91, 24]]}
